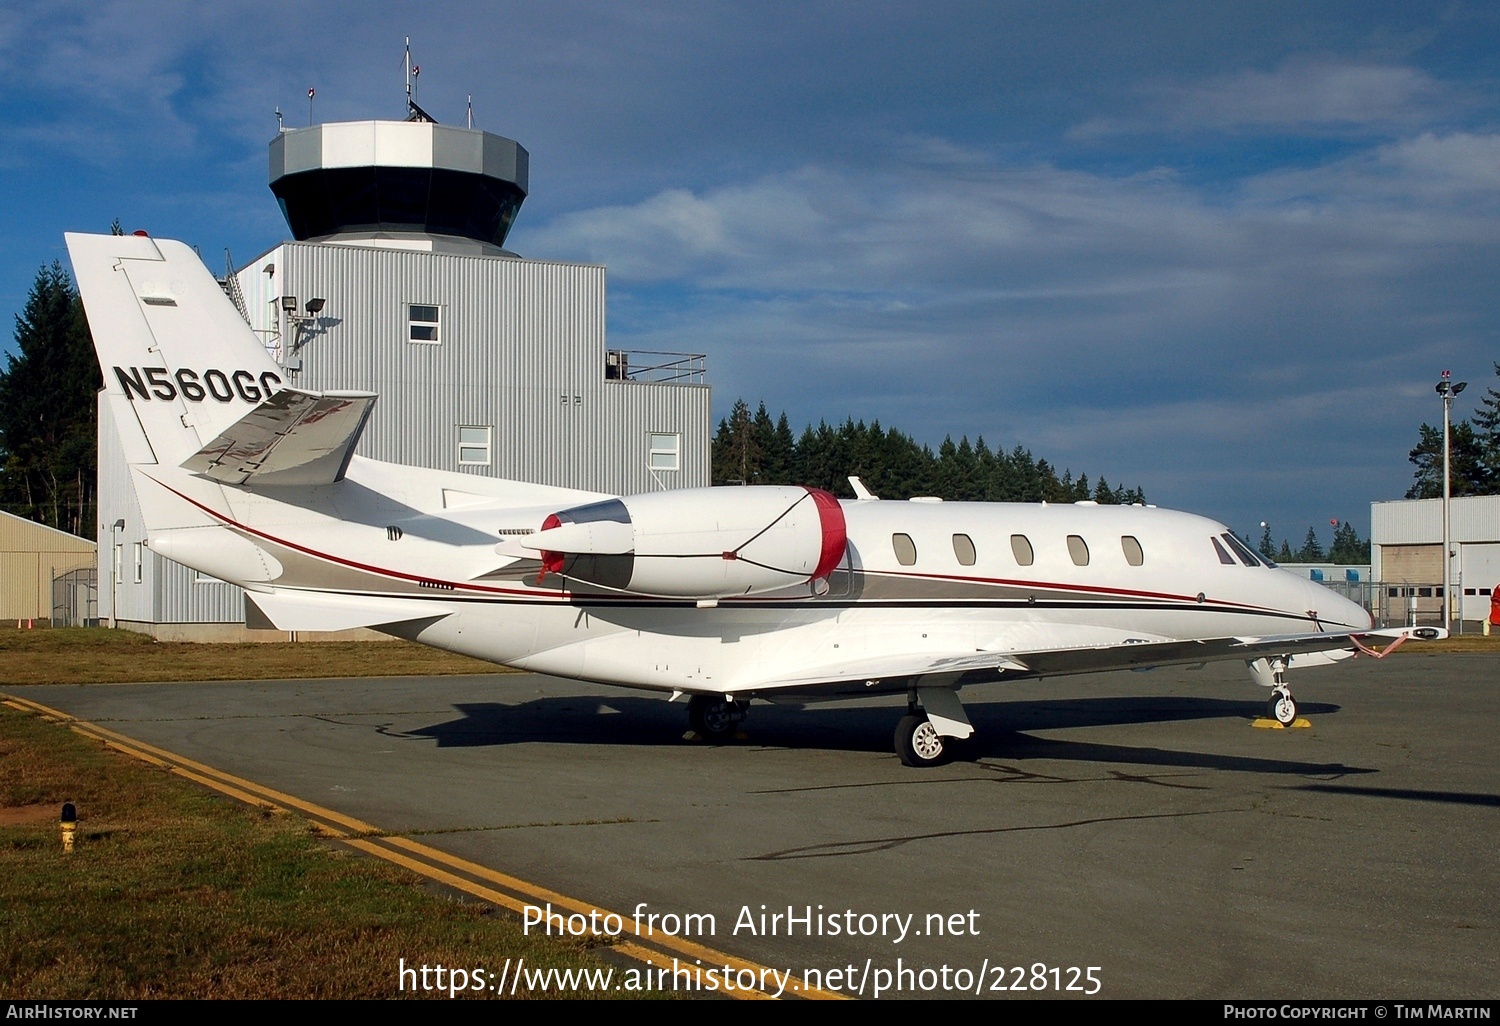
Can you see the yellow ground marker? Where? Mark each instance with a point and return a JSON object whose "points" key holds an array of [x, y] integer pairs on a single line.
{"points": [[1267, 724], [374, 841]]}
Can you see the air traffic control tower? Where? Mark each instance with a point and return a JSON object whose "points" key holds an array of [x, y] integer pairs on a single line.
{"points": [[398, 281], [415, 181]]}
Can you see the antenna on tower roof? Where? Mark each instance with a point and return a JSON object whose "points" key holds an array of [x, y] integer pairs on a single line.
{"points": [[413, 112], [471, 110]]}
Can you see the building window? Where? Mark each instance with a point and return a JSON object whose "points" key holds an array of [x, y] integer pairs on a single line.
{"points": [[473, 446], [906, 549], [423, 324], [665, 452], [963, 549], [1133, 554], [139, 560], [1078, 549], [1020, 547]]}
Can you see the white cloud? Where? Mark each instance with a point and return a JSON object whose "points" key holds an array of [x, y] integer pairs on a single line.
{"points": [[1303, 94]]}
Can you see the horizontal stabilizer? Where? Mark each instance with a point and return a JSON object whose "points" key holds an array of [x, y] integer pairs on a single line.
{"points": [[293, 438], [288, 610]]}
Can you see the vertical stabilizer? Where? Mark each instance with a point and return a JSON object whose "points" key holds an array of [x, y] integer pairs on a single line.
{"points": [[177, 358]]}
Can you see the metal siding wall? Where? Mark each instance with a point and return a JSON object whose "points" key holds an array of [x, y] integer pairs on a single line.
{"points": [[517, 336], [31, 554], [1472, 518], [167, 592]]}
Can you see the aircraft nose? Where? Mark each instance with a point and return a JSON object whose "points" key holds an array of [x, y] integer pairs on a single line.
{"points": [[1334, 608]]}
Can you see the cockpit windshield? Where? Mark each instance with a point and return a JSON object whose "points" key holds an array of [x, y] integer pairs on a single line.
{"points": [[1241, 549]]}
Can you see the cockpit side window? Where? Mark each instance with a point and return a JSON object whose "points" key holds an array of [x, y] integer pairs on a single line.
{"points": [[1224, 556]]}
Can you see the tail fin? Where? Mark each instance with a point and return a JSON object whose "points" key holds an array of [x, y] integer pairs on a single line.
{"points": [[180, 365]]}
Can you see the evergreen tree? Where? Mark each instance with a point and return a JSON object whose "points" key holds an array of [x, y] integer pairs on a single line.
{"points": [[736, 454], [1312, 550], [48, 420], [1347, 548], [1467, 474], [1487, 428], [1267, 547], [1285, 554]]}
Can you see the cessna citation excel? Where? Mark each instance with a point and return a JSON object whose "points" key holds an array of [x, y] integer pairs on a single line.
{"points": [[719, 594]]}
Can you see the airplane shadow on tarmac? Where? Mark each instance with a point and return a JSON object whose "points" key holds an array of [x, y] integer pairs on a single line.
{"points": [[1001, 729]]}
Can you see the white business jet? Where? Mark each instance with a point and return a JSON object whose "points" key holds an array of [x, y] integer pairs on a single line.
{"points": [[718, 594]]}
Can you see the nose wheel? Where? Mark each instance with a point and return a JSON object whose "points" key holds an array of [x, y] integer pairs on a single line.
{"points": [[1282, 707]]}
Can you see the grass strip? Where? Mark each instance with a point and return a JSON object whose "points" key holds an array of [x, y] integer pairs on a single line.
{"points": [[175, 892], [98, 655]]}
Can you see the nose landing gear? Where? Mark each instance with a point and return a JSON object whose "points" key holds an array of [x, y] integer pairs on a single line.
{"points": [[1271, 673], [1282, 707]]}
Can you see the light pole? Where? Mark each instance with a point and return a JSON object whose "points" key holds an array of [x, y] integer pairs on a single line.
{"points": [[114, 573], [1447, 389]]}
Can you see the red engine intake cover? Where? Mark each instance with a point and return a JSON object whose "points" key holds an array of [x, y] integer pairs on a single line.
{"points": [[835, 532]]}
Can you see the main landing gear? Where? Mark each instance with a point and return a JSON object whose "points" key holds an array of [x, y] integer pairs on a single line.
{"points": [[715, 718], [918, 743], [933, 726]]}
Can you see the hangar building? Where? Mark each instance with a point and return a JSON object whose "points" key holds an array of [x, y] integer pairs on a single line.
{"points": [[1406, 553], [45, 574], [397, 281]]}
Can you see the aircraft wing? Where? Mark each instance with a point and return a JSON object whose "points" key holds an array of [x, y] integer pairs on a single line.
{"points": [[293, 438], [1058, 662]]}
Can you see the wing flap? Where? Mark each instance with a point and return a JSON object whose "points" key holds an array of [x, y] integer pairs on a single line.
{"points": [[293, 438]]}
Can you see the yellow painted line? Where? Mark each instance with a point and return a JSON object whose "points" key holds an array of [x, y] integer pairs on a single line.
{"points": [[257, 794], [673, 944]]}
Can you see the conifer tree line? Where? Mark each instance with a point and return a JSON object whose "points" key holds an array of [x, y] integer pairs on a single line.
{"points": [[751, 448], [48, 419]]}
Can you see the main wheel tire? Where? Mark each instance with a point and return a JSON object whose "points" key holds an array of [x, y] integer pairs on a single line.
{"points": [[713, 718], [918, 743], [1282, 708]]}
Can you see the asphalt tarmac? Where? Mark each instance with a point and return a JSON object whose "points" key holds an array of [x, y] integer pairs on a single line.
{"points": [[1133, 822]]}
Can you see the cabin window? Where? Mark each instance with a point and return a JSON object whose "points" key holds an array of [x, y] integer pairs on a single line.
{"points": [[474, 446], [906, 549], [1020, 547], [1133, 554], [1224, 556], [665, 452], [963, 548], [423, 324], [1078, 549]]}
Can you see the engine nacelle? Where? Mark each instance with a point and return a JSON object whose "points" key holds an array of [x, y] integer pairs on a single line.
{"points": [[697, 543]]}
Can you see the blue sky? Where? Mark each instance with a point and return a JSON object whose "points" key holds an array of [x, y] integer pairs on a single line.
{"points": [[1219, 251]]}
